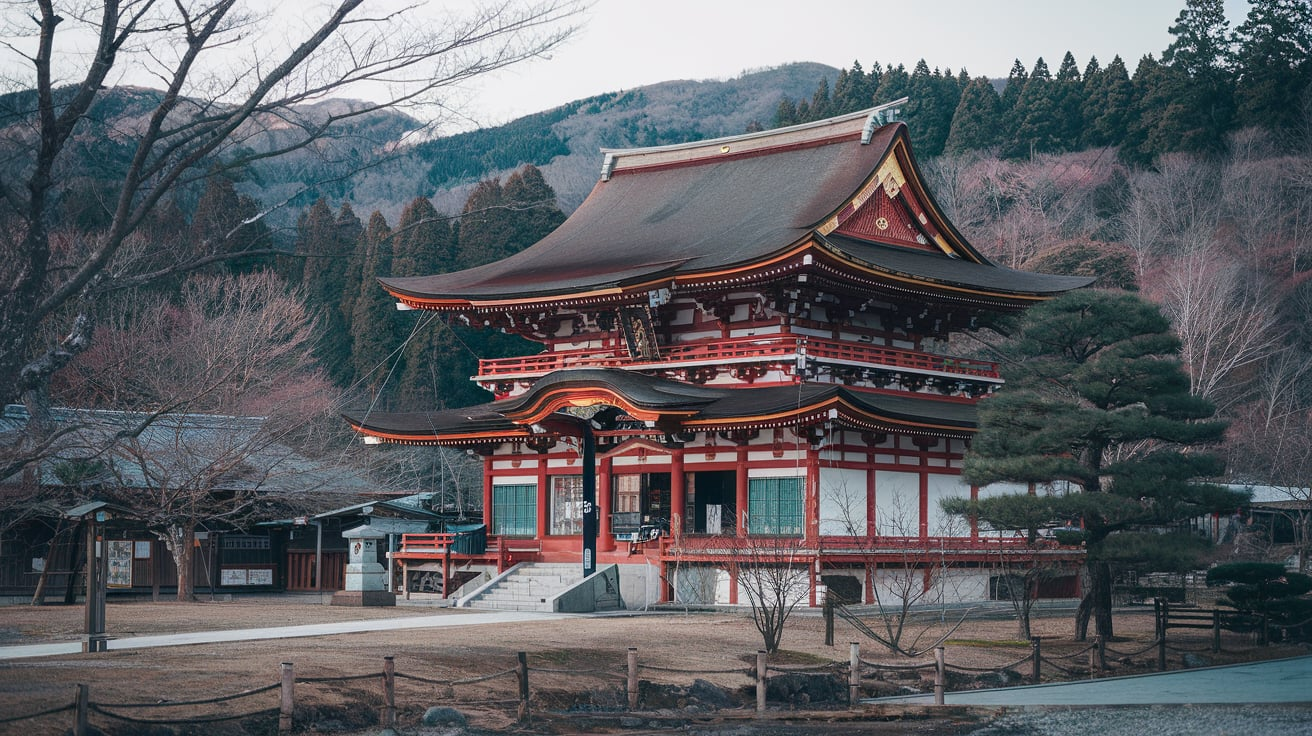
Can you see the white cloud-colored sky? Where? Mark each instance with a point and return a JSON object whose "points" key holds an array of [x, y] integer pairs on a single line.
{"points": [[629, 43]]}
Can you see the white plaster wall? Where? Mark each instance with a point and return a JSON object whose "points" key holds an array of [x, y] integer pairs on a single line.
{"points": [[897, 503], [941, 524], [842, 502]]}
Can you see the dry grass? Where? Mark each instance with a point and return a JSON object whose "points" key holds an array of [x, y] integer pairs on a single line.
{"points": [[697, 645]]}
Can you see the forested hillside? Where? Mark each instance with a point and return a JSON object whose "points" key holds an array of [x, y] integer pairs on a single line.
{"points": [[1188, 179]]}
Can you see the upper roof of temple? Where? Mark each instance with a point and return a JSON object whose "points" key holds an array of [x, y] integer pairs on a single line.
{"points": [[844, 191]]}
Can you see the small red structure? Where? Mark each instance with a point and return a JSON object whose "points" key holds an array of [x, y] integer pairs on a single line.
{"points": [[753, 328]]}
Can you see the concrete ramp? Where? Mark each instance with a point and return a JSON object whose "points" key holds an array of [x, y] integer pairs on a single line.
{"points": [[1275, 681]]}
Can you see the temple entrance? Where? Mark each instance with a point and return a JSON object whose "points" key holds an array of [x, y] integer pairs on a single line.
{"points": [[640, 505], [711, 499]]}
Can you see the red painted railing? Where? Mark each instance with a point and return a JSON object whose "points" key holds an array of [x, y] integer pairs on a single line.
{"points": [[737, 349], [697, 543]]}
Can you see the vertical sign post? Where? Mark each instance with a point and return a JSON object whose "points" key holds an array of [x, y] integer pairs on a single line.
{"points": [[590, 519]]}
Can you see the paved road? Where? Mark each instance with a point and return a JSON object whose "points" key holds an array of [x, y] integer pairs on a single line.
{"points": [[283, 632], [1276, 681]]}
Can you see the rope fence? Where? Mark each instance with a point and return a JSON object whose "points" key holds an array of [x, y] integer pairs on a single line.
{"points": [[285, 711]]}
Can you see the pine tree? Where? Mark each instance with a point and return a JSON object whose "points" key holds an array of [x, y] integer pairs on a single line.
{"points": [[483, 225], [1153, 87], [1037, 116], [533, 212], [424, 243], [1092, 69], [375, 330], [1273, 62], [1199, 81], [323, 278], [1108, 104], [821, 104], [1070, 102], [1096, 398], [893, 84], [350, 234], [1016, 80], [227, 222], [851, 90], [975, 122], [785, 114], [928, 110]]}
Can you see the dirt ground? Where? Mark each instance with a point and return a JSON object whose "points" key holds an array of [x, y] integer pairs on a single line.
{"points": [[577, 669]]}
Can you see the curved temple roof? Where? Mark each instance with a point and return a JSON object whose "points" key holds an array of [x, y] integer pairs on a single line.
{"points": [[659, 215], [672, 406]]}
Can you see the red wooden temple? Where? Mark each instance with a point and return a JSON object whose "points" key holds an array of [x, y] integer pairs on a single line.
{"points": [[754, 327]]}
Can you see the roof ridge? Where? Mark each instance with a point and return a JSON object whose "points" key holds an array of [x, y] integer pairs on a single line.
{"points": [[864, 122]]}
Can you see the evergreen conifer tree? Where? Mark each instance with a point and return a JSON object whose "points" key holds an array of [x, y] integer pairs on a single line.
{"points": [[928, 110], [1070, 101], [1037, 115], [323, 278], [975, 123], [1096, 399], [1152, 89], [893, 84], [375, 329], [424, 243], [1198, 80], [1108, 102], [1273, 62], [1016, 80]]}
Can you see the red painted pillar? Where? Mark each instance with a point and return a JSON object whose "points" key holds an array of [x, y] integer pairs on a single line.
{"points": [[733, 586], [605, 540], [924, 496], [811, 581], [974, 522], [678, 494], [871, 497], [487, 493], [740, 502], [811, 504], [544, 518]]}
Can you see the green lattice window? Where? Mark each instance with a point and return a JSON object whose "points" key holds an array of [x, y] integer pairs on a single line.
{"points": [[774, 506], [515, 510]]}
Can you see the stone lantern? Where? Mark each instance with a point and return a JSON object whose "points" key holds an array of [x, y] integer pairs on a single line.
{"points": [[365, 578]]}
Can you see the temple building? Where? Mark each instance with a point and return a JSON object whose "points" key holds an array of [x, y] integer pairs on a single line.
{"points": [[744, 349]]}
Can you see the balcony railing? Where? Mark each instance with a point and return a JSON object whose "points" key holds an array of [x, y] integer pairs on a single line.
{"points": [[738, 350]]}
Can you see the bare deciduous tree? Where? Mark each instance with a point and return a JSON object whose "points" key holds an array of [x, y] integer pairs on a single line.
{"points": [[217, 384], [229, 80], [911, 593], [772, 573], [1225, 325]]}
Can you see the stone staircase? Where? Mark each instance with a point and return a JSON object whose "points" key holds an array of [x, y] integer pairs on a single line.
{"points": [[528, 587]]}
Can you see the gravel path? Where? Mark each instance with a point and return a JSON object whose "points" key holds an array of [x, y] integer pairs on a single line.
{"points": [[1158, 720]]}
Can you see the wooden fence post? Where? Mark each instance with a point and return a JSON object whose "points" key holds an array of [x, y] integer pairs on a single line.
{"points": [[286, 707], [633, 678], [760, 680], [829, 620], [83, 698], [389, 692], [1216, 630], [1036, 655], [854, 674], [940, 676], [1161, 649], [1093, 656], [523, 687]]}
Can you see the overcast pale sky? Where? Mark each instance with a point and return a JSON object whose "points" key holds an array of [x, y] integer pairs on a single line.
{"points": [[630, 43]]}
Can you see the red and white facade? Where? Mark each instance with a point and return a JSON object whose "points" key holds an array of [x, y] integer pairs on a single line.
{"points": [[756, 328]]}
